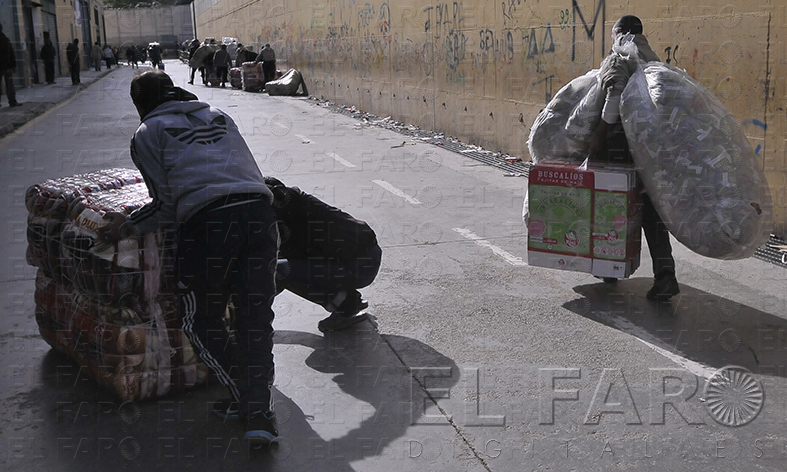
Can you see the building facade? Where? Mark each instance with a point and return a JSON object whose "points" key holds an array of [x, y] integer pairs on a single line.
{"points": [[29, 23]]}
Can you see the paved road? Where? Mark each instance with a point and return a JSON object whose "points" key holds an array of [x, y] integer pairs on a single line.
{"points": [[479, 362]]}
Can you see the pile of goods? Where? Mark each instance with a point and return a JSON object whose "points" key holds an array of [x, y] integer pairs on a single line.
{"points": [[705, 180], [698, 168], [112, 310], [288, 84], [236, 78], [252, 79]]}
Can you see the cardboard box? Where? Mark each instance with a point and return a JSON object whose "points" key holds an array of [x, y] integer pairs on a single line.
{"points": [[584, 220]]}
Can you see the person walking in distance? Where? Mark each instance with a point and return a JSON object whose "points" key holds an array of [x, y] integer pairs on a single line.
{"points": [[48, 55], [8, 67], [267, 57], [72, 55], [95, 54], [222, 62]]}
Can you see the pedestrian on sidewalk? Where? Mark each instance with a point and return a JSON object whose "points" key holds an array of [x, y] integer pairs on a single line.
{"points": [[131, 56], [48, 55], [222, 62], [226, 232], [8, 67], [109, 56], [96, 53], [325, 255], [193, 49], [72, 56], [608, 143], [267, 57]]}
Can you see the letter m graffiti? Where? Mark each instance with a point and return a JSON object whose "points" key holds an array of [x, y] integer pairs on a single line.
{"points": [[590, 31]]}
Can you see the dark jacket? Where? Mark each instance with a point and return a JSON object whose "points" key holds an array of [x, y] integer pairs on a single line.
{"points": [[309, 227], [48, 52], [7, 56], [266, 54], [72, 54]]}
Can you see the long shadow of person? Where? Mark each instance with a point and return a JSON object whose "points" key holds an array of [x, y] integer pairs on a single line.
{"points": [[382, 410], [393, 415], [709, 329]]}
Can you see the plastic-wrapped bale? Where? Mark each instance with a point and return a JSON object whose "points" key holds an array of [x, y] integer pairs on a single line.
{"points": [[114, 311], [48, 203], [138, 360], [114, 275], [561, 131], [252, 79], [697, 165], [287, 85], [236, 78], [202, 55]]}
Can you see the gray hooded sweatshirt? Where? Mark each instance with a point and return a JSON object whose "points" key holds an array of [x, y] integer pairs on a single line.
{"points": [[190, 154]]}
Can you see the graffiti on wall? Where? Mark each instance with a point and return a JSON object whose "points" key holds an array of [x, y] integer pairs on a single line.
{"points": [[590, 31]]}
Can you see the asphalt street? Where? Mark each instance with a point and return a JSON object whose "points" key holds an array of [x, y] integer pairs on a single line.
{"points": [[474, 360]]}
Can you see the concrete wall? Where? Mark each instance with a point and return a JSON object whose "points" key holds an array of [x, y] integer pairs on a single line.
{"points": [[481, 71], [167, 25]]}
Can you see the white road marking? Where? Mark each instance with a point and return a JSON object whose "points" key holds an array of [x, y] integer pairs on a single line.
{"points": [[397, 192], [507, 256], [696, 368], [340, 159]]}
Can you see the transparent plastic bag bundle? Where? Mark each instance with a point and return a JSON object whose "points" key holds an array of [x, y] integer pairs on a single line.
{"points": [[696, 163], [562, 130]]}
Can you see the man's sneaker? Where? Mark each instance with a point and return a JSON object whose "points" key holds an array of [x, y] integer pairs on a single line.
{"points": [[347, 314], [666, 286], [226, 409], [261, 427]]}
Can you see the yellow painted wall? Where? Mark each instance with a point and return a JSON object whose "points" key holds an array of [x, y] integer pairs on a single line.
{"points": [[481, 70]]}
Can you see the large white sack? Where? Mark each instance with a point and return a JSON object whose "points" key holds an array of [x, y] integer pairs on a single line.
{"points": [[697, 166], [562, 130]]}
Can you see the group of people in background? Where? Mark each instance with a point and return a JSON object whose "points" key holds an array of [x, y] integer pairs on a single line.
{"points": [[214, 60], [107, 54]]}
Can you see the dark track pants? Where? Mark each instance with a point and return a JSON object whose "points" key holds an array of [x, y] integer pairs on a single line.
{"points": [[224, 252]]}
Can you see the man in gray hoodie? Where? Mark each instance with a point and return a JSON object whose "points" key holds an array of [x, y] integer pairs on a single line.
{"points": [[205, 183], [608, 143]]}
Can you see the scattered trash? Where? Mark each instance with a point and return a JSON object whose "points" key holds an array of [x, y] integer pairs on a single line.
{"points": [[417, 135], [514, 174]]}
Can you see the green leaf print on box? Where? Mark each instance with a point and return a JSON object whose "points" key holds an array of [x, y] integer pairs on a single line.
{"points": [[560, 219], [611, 225]]}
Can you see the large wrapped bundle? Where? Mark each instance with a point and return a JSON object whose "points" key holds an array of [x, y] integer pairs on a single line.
{"points": [[562, 130], [252, 79], [288, 84], [203, 55], [48, 203], [111, 309], [236, 79], [698, 167]]}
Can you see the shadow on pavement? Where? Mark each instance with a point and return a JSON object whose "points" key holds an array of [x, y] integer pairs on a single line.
{"points": [[706, 328], [65, 421]]}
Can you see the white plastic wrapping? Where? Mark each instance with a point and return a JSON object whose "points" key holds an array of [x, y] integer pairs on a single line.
{"points": [[697, 165], [562, 129]]}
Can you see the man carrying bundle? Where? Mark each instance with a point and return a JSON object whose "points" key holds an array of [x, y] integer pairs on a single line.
{"points": [[608, 144]]}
